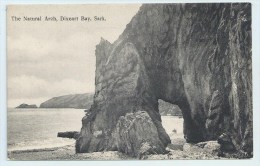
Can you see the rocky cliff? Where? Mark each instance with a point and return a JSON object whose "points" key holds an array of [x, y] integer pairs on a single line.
{"points": [[196, 56], [80, 101]]}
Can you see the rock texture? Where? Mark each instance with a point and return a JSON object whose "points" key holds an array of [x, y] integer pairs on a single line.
{"points": [[226, 144], [27, 106], [209, 147], [80, 101], [196, 56], [137, 135]]}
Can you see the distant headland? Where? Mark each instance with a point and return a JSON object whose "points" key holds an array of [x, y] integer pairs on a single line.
{"points": [[78, 101]]}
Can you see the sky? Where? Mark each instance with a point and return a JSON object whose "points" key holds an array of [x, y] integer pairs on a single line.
{"points": [[46, 59]]}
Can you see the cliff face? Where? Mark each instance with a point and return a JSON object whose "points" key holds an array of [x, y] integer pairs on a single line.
{"points": [[80, 101], [196, 56]]}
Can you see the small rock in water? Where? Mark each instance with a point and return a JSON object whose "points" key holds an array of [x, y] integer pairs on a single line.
{"points": [[68, 134], [27, 106]]}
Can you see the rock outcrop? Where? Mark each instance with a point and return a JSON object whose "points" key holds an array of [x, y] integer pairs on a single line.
{"points": [[137, 135], [196, 56], [27, 106], [79, 101]]}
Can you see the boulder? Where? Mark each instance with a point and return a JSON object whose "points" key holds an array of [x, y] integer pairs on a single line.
{"points": [[137, 135], [226, 144]]}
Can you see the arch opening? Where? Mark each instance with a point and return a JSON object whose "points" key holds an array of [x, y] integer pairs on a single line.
{"points": [[173, 123]]}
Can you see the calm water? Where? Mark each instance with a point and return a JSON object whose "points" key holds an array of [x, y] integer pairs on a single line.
{"points": [[38, 128]]}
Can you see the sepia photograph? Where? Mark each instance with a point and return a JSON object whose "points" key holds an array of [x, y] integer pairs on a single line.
{"points": [[152, 81]]}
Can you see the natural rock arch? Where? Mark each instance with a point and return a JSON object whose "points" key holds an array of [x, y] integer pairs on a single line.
{"points": [[197, 56]]}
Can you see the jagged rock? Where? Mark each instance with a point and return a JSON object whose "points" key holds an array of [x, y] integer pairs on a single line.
{"points": [[27, 106], [80, 101], [137, 135], [196, 56], [68, 134]]}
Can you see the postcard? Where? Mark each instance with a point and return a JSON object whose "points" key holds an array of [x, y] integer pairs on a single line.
{"points": [[159, 81]]}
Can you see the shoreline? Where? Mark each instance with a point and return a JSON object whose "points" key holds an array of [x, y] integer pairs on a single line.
{"points": [[68, 153], [38, 149], [63, 153], [48, 145]]}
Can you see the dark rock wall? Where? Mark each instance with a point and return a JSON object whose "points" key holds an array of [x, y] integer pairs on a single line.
{"points": [[197, 56]]}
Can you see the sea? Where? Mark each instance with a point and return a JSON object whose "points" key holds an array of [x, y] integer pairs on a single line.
{"points": [[30, 129]]}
